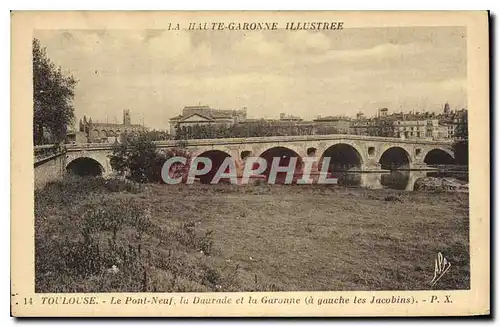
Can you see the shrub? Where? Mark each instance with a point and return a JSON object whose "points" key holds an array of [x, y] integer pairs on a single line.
{"points": [[211, 277], [261, 285], [122, 185], [112, 246], [206, 243], [393, 198], [138, 159], [73, 188]]}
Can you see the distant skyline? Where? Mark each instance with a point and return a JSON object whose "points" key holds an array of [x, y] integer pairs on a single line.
{"points": [[155, 73]]}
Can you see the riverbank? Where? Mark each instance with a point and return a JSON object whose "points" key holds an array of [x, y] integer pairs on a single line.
{"points": [[245, 238]]}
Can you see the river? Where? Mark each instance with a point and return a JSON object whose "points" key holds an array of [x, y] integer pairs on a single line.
{"points": [[396, 179]]}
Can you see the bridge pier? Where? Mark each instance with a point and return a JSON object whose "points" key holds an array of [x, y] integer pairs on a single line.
{"points": [[372, 181], [414, 176], [372, 167]]}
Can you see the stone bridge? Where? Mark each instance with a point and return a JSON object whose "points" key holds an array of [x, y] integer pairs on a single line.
{"points": [[346, 152]]}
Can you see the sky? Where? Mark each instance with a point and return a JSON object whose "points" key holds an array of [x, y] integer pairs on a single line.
{"points": [[155, 73]]}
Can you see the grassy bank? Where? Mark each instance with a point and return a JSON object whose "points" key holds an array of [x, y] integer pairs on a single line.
{"points": [[95, 235]]}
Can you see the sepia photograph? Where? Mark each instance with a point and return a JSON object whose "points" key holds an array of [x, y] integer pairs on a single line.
{"points": [[213, 156]]}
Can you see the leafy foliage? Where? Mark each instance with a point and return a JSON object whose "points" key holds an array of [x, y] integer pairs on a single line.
{"points": [[135, 157], [156, 135], [177, 170], [53, 94], [327, 130], [382, 127], [246, 129], [138, 159]]}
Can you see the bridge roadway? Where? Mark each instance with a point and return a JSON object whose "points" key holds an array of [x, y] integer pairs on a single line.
{"points": [[366, 153]]}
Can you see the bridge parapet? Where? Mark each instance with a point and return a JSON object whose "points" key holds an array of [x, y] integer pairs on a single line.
{"points": [[45, 152], [273, 139], [89, 146], [302, 138]]}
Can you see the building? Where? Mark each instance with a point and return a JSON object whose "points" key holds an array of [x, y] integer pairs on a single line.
{"points": [[77, 137], [383, 112], [362, 125], [204, 115], [109, 133], [289, 118], [405, 125], [446, 109], [332, 125], [444, 132], [412, 125], [381, 125], [415, 127], [452, 120]]}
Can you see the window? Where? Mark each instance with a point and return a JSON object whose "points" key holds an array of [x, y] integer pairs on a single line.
{"points": [[371, 150]]}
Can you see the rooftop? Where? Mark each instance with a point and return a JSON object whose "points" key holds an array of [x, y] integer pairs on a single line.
{"points": [[331, 118]]}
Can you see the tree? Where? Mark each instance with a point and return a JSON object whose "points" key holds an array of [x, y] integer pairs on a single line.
{"points": [[177, 169], [387, 128], [136, 158], [119, 158], [53, 95], [326, 130], [381, 127]]}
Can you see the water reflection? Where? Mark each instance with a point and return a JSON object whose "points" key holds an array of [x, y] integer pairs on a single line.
{"points": [[396, 179], [401, 180]]}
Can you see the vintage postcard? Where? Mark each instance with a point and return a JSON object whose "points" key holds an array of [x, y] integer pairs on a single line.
{"points": [[250, 164]]}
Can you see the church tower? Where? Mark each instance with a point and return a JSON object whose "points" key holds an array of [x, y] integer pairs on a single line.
{"points": [[126, 117], [446, 110]]}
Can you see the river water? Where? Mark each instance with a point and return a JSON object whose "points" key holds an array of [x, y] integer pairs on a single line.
{"points": [[396, 179]]}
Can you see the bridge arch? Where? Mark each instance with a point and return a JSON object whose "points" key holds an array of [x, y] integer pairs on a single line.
{"points": [[217, 157], [439, 156], [285, 154], [85, 166], [395, 157], [343, 157]]}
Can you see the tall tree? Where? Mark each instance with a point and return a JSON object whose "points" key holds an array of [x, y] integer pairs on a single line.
{"points": [[53, 94]]}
